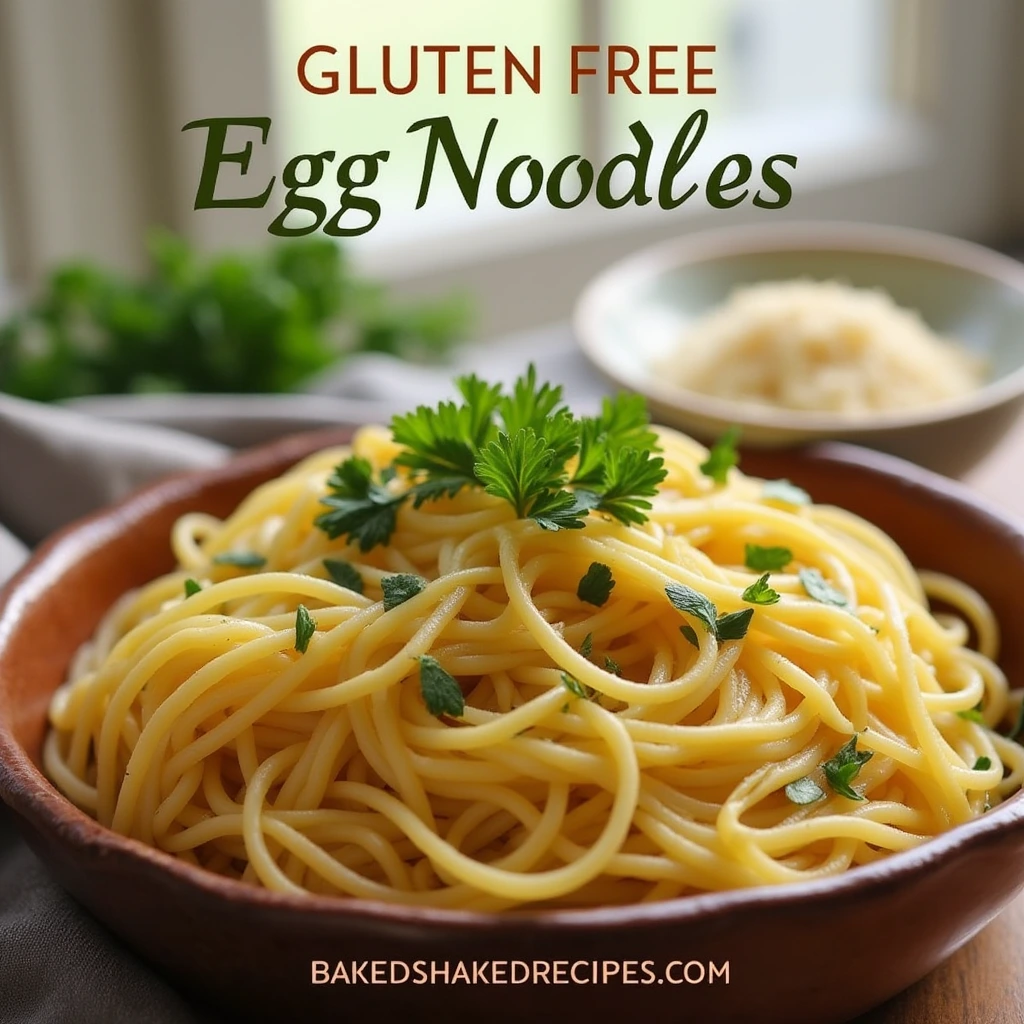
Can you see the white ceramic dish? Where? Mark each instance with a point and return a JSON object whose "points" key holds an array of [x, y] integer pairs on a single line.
{"points": [[635, 312]]}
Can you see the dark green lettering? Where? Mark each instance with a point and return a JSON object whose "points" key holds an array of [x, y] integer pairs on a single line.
{"points": [[682, 148], [717, 186], [442, 133], [215, 155], [783, 189], [638, 161]]}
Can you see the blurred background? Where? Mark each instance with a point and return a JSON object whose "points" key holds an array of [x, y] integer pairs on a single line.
{"points": [[900, 111]]}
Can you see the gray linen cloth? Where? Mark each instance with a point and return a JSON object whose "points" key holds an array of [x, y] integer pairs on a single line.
{"points": [[57, 964]]}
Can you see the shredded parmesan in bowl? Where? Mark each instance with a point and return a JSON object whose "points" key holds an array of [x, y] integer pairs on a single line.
{"points": [[822, 347]]}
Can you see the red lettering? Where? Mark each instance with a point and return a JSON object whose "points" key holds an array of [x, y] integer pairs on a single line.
{"points": [[442, 61], [655, 72], [473, 72], [575, 71], [330, 77], [626, 74], [532, 80], [692, 71], [414, 72], [353, 75]]}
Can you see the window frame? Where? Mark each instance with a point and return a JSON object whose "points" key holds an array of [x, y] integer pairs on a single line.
{"points": [[947, 164]]}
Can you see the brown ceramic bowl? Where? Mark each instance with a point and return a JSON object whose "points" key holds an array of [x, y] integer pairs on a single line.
{"points": [[801, 954]]}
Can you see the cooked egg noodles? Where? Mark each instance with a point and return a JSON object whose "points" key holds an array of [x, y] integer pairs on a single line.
{"points": [[600, 758]]}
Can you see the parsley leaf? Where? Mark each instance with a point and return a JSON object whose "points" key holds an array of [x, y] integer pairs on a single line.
{"points": [[559, 510], [360, 509], [519, 468], [441, 692], [841, 769], [305, 627], [766, 559], [192, 587], [983, 764], [611, 665], [630, 477], [529, 405], [587, 647], [596, 585], [804, 791], [240, 559], [722, 456], [760, 593], [690, 633], [575, 687], [820, 589], [442, 443], [345, 574], [972, 715], [519, 447], [400, 588], [693, 603], [784, 492], [622, 423], [734, 625]]}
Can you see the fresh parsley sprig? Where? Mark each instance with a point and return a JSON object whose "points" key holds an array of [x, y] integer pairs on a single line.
{"points": [[596, 584], [722, 456], [360, 508], [730, 626], [525, 447], [839, 770]]}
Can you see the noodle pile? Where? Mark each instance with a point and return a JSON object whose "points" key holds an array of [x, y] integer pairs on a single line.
{"points": [[638, 768]]}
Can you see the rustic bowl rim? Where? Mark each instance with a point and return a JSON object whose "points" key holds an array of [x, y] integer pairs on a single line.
{"points": [[617, 280], [34, 798]]}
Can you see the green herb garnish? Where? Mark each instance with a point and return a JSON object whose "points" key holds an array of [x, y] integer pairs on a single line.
{"points": [[611, 665], [972, 715], [760, 593], [690, 634], [841, 769], [983, 764], [804, 791], [587, 647], [240, 559], [400, 588], [576, 688], [305, 627], [694, 603], [522, 469], [820, 589], [441, 693], [722, 456], [345, 574], [518, 447], [192, 587], [762, 559], [734, 625], [360, 508], [596, 585], [785, 492], [622, 423]]}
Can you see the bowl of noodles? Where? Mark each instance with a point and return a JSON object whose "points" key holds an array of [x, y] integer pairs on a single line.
{"points": [[904, 341], [499, 696]]}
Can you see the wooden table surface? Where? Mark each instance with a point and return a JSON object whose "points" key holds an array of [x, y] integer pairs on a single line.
{"points": [[984, 982]]}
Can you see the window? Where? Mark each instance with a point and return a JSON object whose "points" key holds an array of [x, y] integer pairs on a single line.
{"points": [[900, 111], [797, 72]]}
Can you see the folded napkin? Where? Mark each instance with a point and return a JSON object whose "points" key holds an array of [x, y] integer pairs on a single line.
{"points": [[59, 463]]}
